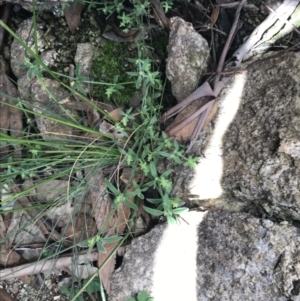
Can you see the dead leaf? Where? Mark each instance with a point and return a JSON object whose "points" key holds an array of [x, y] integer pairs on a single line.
{"points": [[117, 225], [4, 245], [82, 228], [116, 113], [185, 133], [9, 258], [98, 196], [215, 14], [101, 203], [109, 267], [73, 15], [211, 115], [5, 296]]}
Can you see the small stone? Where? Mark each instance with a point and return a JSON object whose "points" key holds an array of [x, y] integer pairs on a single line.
{"points": [[188, 58], [15, 288]]}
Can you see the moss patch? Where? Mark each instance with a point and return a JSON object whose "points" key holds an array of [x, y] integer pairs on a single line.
{"points": [[112, 61]]}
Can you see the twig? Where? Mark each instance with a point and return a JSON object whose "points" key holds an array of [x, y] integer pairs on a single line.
{"points": [[45, 265], [158, 10], [217, 86], [250, 7], [229, 40]]}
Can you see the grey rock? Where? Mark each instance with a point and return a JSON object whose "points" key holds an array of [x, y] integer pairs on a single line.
{"points": [[136, 272], [50, 104], [48, 57], [84, 56], [24, 88], [53, 5], [188, 58], [249, 155], [237, 256], [25, 32]]}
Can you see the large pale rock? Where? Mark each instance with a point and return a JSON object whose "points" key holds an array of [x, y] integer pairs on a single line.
{"points": [[249, 157], [216, 256]]}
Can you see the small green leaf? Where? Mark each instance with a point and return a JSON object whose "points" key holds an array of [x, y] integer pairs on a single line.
{"points": [[83, 244], [153, 169], [191, 162], [167, 173], [164, 154], [171, 220], [142, 296], [154, 201], [93, 286], [131, 204], [122, 151], [131, 194], [100, 247], [180, 210], [154, 212], [65, 290], [112, 188], [111, 239]]}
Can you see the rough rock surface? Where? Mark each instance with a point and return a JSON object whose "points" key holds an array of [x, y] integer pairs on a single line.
{"points": [[249, 155], [25, 32], [136, 272], [84, 56], [239, 257], [248, 160], [54, 5], [188, 58], [32, 91], [44, 103]]}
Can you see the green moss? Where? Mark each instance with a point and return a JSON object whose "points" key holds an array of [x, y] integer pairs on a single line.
{"points": [[112, 61]]}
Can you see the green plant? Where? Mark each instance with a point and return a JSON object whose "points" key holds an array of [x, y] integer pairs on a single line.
{"points": [[142, 296], [91, 288], [111, 66], [70, 156]]}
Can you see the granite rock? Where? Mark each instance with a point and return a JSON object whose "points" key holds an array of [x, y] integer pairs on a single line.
{"points": [[234, 257]]}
